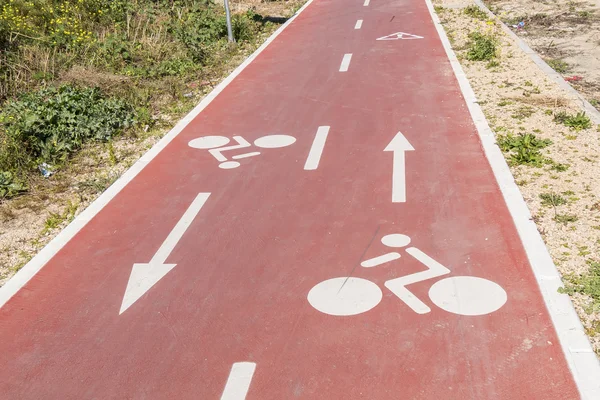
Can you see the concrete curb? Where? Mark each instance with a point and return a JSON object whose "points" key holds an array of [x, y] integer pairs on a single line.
{"points": [[578, 352]]}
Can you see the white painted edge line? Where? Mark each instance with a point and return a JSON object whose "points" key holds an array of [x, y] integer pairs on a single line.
{"points": [[239, 380], [576, 347], [316, 150], [358, 24], [367, 2], [55, 245], [590, 110], [345, 62]]}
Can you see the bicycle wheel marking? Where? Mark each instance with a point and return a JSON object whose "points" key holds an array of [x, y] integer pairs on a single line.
{"points": [[467, 295]]}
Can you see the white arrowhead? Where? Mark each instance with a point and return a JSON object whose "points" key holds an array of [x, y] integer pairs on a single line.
{"points": [[399, 143], [142, 278]]}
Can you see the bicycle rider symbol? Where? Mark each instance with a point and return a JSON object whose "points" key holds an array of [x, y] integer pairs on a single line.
{"points": [[462, 295], [215, 146]]}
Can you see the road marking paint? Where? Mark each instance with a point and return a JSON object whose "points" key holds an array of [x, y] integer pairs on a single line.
{"points": [[144, 276], [395, 240], [19, 280], [274, 141], [344, 296], [246, 155], [358, 24], [345, 62], [316, 150], [242, 143], [400, 36], [239, 380], [375, 261], [399, 146], [467, 295], [367, 2], [398, 285], [578, 352]]}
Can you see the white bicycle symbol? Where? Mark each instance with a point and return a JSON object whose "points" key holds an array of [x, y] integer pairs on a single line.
{"points": [[214, 145], [462, 295]]}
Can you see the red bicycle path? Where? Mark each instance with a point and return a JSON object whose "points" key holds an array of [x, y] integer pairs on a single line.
{"points": [[270, 231]]}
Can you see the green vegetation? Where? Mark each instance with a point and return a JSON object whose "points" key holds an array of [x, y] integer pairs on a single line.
{"points": [[587, 284], [552, 199], [577, 122], [85, 71], [481, 47], [49, 124], [476, 12], [559, 66], [9, 187], [565, 218], [523, 149]]}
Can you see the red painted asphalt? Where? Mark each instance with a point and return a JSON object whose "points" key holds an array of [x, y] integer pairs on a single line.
{"points": [[270, 231]]}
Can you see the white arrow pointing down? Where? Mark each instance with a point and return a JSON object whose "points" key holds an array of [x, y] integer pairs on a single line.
{"points": [[144, 276], [399, 145]]}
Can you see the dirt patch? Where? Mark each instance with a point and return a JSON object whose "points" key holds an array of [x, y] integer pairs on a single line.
{"points": [[565, 33], [553, 153]]}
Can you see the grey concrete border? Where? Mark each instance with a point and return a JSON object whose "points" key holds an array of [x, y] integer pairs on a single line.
{"points": [[580, 357]]}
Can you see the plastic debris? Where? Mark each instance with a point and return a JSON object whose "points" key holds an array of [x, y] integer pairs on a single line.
{"points": [[46, 170], [573, 78], [520, 25]]}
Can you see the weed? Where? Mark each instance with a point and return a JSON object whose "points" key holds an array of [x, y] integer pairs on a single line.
{"points": [[587, 284], [9, 187], [552, 199], [503, 103], [50, 124], [111, 153], [54, 220], [565, 218], [559, 167], [492, 64], [523, 112], [558, 65], [524, 149], [482, 47], [476, 12], [577, 122]]}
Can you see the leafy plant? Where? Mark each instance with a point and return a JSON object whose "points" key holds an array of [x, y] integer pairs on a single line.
{"points": [[587, 284], [577, 122], [482, 47], [49, 124], [523, 149], [559, 66], [565, 218], [552, 199], [8, 186]]}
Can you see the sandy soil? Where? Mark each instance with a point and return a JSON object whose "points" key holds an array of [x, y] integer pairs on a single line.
{"points": [[29, 222], [560, 30], [517, 97]]}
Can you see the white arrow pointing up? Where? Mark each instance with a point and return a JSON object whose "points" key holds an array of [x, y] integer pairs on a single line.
{"points": [[144, 276], [399, 145]]}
